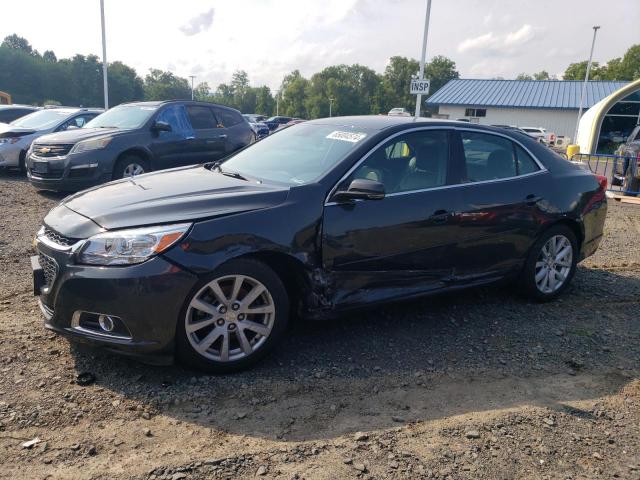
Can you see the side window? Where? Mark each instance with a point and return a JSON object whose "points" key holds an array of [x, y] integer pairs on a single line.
{"points": [[175, 115], [201, 117], [414, 161], [228, 118], [525, 163], [487, 157]]}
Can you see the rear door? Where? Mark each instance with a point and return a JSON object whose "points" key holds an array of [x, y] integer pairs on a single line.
{"points": [[404, 243], [233, 125], [501, 189], [175, 148], [210, 136]]}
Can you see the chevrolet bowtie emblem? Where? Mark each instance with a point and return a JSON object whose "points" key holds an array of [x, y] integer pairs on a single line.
{"points": [[45, 150]]}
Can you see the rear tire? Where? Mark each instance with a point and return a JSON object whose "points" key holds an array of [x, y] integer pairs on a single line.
{"points": [[129, 166], [550, 265], [22, 162], [222, 335]]}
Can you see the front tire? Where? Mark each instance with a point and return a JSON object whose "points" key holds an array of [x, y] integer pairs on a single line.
{"points": [[232, 319], [130, 166], [551, 264]]}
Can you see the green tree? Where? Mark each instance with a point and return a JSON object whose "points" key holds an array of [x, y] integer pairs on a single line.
{"points": [[160, 85], [577, 71], [439, 70], [395, 83], [124, 84], [630, 64], [202, 91], [293, 92], [541, 75], [19, 43], [524, 76], [265, 103]]}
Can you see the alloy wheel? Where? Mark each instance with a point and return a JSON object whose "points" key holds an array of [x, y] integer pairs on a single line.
{"points": [[230, 318], [132, 170], [554, 264]]}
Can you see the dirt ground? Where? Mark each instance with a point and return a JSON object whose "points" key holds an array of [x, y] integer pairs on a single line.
{"points": [[476, 385]]}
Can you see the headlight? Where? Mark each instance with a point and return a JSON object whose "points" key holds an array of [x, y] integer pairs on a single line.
{"points": [[11, 140], [125, 247], [93, 144]]}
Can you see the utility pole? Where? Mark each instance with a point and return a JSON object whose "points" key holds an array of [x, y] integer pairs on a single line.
{"points": [[330, 104], [192, 77], [104, 59], [584, 84], [424, 54]]}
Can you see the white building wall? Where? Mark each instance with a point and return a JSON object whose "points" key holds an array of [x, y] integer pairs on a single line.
{"points": [[561, 122]]}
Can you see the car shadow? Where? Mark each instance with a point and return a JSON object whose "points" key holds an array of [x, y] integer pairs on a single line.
{"points": [[477, 350]]}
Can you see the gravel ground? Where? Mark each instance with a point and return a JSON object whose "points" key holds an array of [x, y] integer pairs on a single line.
{"points": [[475, 385]]}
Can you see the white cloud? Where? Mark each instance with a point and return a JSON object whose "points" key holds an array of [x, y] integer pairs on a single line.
{"points": [[507, 43], [198, 24]]}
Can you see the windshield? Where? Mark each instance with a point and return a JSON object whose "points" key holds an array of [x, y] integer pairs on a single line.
{"points": [[42, 119], [297, 155], [124, 116]]}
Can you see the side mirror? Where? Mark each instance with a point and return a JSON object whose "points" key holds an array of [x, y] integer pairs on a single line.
{"points": [[361, 188], [161, 127]]}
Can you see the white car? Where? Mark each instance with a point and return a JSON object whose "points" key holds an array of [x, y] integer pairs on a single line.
{"points": [[16, 137], [399, 112], [541, 134]]}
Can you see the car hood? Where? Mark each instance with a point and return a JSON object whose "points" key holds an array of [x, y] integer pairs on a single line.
{"points": [[78, 134], [8, 131], [184, 194]]}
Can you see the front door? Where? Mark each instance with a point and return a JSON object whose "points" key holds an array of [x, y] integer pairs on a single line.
{"points": [[175, 148], [403, 244], [501, 193]]}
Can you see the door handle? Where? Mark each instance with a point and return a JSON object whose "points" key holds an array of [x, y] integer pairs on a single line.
{"points": [[531, 200], [440, 216], [223, 136]]}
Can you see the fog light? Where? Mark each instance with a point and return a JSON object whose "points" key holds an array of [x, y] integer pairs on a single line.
{"points": [[106, 323]]}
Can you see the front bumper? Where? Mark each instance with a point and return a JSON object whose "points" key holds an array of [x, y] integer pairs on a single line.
{"points": [[70, 172], [147, 298]]}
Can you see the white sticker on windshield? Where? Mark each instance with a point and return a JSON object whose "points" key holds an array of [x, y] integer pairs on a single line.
{"points": [[352, 137]]}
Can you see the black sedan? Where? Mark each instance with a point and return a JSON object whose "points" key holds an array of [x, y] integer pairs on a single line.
{"points": [[209, 262]]}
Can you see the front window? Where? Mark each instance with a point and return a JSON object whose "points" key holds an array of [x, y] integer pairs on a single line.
{"points": [[413, 161], [297, 155], [42, 119], [123, 116]]}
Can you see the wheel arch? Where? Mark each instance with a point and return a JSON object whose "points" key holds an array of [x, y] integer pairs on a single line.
{"points": [[575, 225], [134, 151]]}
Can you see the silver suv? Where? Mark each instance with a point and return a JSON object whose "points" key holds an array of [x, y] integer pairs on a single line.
{"points": [[16, 137]]}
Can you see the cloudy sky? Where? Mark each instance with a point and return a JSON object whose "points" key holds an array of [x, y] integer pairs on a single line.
{"points": [[269, 38]]}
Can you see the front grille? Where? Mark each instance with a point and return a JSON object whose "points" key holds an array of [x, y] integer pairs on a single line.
{"points": [[50, 268], [54, 150], [59, 239]]}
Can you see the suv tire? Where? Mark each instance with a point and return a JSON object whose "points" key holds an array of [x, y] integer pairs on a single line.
{"points": [[130, 165]]}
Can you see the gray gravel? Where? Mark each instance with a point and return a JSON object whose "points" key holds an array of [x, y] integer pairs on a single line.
{"points": [[477, 384]]}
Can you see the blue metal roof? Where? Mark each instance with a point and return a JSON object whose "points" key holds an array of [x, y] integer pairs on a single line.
{"points": [[522, 93]]}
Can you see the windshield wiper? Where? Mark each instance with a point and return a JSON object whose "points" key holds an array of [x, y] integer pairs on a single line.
{"points": [[216, 165], [232, 174]]}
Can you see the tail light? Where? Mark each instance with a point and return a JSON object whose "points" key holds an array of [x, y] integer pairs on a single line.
{"points": [[602, 180]]}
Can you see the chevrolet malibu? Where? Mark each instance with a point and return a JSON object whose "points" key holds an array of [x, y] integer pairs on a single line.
{"points": [[208, 263]]}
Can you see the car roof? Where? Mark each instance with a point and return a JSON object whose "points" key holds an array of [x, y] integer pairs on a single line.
{"points": [[157, 103], [17, 105], [380, 122]]}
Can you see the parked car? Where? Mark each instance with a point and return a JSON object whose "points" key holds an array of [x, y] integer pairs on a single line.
{"points": [[260, 128], [627, 172], [275, 122], [135, 138], [294, 121], [209, 262], [17, 136], [9, 113], [399, 112], [541, 134]]}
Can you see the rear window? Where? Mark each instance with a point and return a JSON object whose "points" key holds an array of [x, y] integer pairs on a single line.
{"points": [[228, 118], [201, 117]]}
